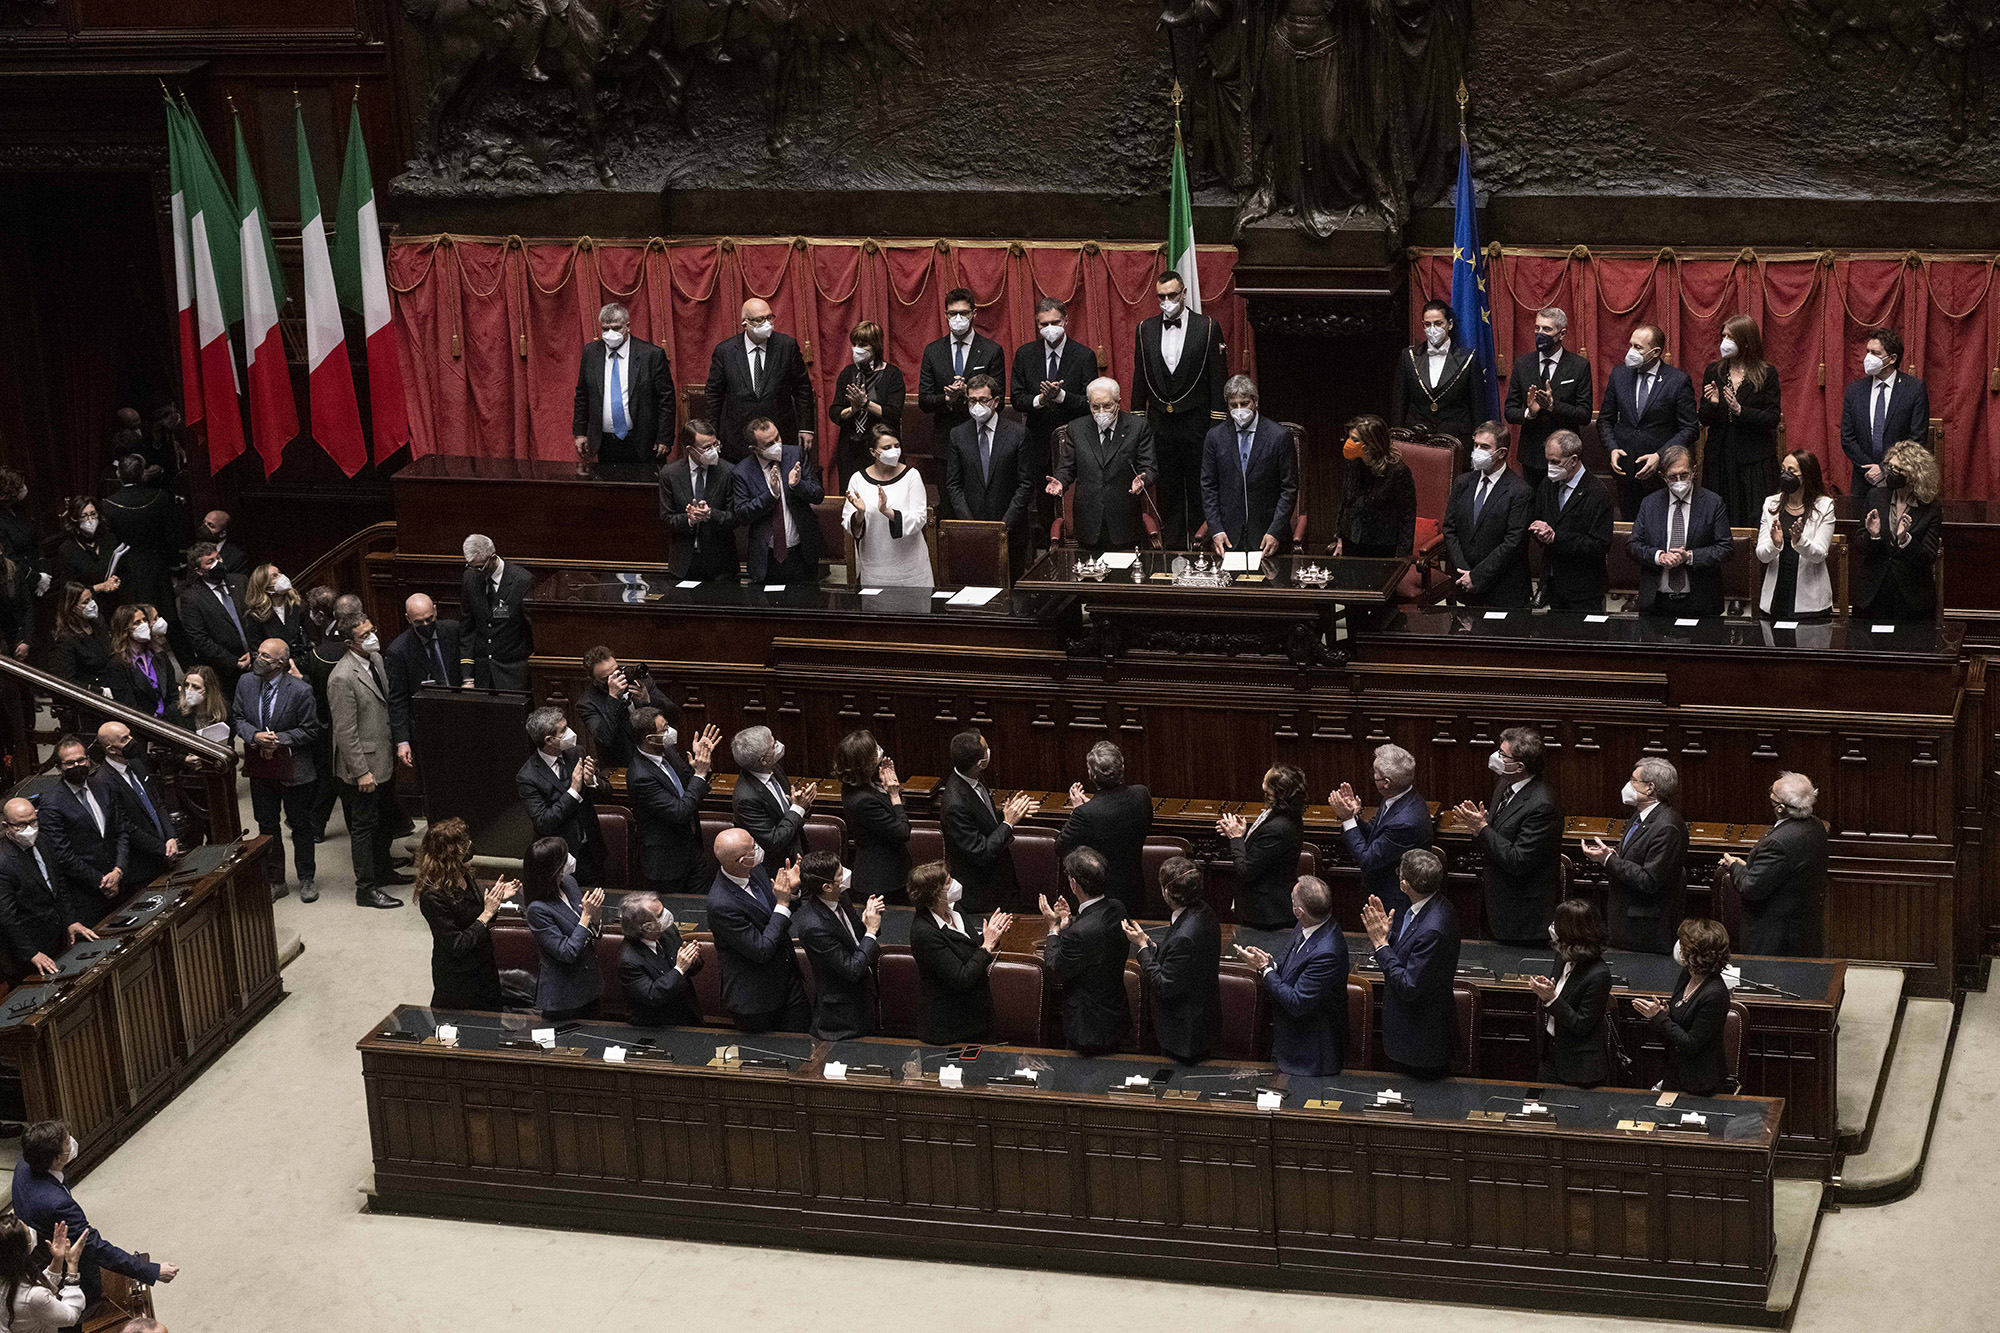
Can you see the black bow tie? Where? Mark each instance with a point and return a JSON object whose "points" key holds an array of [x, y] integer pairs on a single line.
{"points": [[1173, 323]]}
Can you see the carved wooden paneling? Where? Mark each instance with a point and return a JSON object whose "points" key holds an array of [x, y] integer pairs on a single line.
{"points": [[86, 1068], [146, 1021], [201, 973]]}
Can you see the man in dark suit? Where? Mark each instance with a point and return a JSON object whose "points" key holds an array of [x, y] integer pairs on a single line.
{"points": [[1249, 476], [1307, 985], [277, 719], [1680, 542], [1521, 837], [978, 835], [783, 536], [1110, 461], [625, 408], [1112, 818], [1549, 389], [606, 705], [38, 915], [697, 508], [750, 919], [1049, 378], [840, 943], [1881, 409], [1417, 951], [764, 805], [1784, 881], [214, 530], [42, 1198], [124, 782], [1647, 867], [1085, 953], [428, 653], [759, 373], [1181, 970], [946, 372], [556, 785], [1572, 525], [146, 519], [84, 835], [987, 472], [213, 618], [1486, 526], [666, 790], [493, 618], [1437, 384], [1648, 407], [1402, 822], [655, 967], [1179, 365]]}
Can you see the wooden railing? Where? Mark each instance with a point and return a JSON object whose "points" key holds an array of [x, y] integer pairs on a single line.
{"points": [[345, 569]]}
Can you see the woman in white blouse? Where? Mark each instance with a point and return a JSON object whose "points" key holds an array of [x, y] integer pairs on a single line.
{"points": [[1793, 536], [886, 512], [40, 1301]]}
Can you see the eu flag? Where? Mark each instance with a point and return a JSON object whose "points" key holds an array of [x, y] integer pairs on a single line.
{"points": [[1471, 306]]}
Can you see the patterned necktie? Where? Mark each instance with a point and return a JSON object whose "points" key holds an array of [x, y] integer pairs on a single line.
{"points": [[1880, 424], [1645, 392], [1677, 579], [986, 452], [780, 546], [757, 374], [619, 425]]}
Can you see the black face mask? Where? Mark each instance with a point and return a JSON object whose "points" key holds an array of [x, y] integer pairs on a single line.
{"points": [[1545, 343], [1789, 482], [1894, 480], [424, 628], [76, 774]]}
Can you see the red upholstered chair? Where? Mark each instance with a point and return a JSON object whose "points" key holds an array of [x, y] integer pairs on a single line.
{"points": [[1017, 985], [832, 537], [514, 947], [1465, 1060], [826, 833], [615, 823], [607, 948], [1065, 524], [1155, 853], [899, 995], [1240, 1033], [712, 824], [1733, 1025], [926, 842], [1360, 1024], [1037, 869], [708, 983], [806, 973], [1726, 902], [1433, 463], [1138, 1013]]}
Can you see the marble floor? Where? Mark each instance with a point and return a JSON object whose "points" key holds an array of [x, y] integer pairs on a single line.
{"points": [[251, 1181]]}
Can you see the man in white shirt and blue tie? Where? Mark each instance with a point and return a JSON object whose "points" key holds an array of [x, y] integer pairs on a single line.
{"points": [[1881, 409], [625, 410]]}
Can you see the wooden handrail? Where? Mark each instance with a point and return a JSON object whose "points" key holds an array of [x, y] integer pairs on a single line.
{"points": [[316, 571]]}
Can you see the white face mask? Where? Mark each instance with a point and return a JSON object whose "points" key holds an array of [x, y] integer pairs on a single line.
{"points": [[1678, 960], [890, 457], [1871, 364], [195, 694], [159, 624], [1482, 459], [959, 323], [672, 736], [1558, 473], [1243, 416], [567, 739], [26, 836], [1052, 334], [1104, 419], [142, 632], [1681, 489], [1728, 348], [771, 452], [569, 865], [371, 644], [281, 584], [707, 457], [1437, 335], [1629, 794], [614, 338], [1552, 935], [88, 527], [1634, 357], [90, 610], [1497, 762], [1170, 308], [981, 412], [861, 356], [953, 891], [760, 329], [757, 856]]}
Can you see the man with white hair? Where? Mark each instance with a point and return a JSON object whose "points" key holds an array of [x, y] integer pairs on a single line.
{"points": [[1402, 823], [1110, 461], [1249, 476], [1548, 391], [1111, 817], [1646, 866], [493, 625], [1784, 881], [624, 395], [772, 811]]}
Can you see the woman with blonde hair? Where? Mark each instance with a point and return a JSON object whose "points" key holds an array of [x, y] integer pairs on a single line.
{"points": [[1378, 494], [464, 974], [1741, 407], [273, 610], [1902, 532]]}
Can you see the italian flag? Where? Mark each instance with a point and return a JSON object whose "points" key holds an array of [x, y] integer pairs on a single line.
{"points": [[274, 418], [336, 421], [216, 279], [1180, 222], [183, 270], [363, 283]]}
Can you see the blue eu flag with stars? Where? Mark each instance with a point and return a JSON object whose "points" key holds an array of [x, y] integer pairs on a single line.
{"points": [[1471, 304]]}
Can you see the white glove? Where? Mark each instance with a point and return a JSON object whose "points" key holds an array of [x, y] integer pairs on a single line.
{"points": [[42, 588]]}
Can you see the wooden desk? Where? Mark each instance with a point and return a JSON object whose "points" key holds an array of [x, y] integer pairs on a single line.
{"points": [[1573, 1214], [191, 963]]}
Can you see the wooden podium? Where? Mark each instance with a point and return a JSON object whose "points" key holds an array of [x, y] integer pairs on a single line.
{"points": [[469, 745]]}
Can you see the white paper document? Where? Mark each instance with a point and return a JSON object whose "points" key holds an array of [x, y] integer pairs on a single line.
{"points": [[1119, 559], [1241, 562], [973, 596]]}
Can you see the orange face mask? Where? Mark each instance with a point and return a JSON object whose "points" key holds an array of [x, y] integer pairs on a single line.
{"points": [[1353, 448]]}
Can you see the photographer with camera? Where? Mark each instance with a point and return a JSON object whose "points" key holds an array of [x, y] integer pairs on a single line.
{"points": [[605, 709]]}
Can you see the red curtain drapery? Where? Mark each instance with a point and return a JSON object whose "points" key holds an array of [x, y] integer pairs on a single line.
{"points": [[1815, 308], [491, 327]]}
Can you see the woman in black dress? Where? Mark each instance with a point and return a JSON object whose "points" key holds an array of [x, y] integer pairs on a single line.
{"points": [[463, 973], [871, 802], [1691, 1020], [1902, 531], [1267, 851], [1740, 405], [1378, 495], [1794, 534], [869, 393], [82, 654], [141, 673], [85, 554], [1573, 1026]]}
